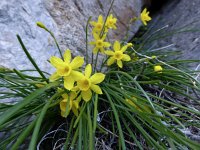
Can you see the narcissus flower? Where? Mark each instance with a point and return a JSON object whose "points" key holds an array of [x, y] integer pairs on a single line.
{"points": [[111, 22], [158, 68], [99, 43], [73, 104], [97, 26], [144, 107], [144, 16], [132, 103], [88, 83], [67, 69], [118, 54]]}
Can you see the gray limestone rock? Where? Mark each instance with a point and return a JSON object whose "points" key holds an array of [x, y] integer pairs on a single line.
{"points": [[65, 18], [180, 15]]}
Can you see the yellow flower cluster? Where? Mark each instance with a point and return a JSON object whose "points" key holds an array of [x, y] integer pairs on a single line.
{"points": [[118, 54], [144, 16], [100, 31], [79, 85]]}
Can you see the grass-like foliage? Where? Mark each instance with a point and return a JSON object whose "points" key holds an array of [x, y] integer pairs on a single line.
{"points": [[134, 99]]}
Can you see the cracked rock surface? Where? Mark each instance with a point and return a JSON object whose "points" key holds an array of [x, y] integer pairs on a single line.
{"points": [[65, 18], [180, 15]]}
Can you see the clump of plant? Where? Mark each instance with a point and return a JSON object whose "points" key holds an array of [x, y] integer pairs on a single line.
{"points": [[135, 103]]}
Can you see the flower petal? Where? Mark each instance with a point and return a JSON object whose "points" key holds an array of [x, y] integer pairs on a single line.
{"points": [[100, 19], [144, 11], [96, 89], [144, 22], [95, 50], [97, 78], [77, 62], [64, 71], [76, 75], [126, 57], [67, 56], [119, 63], [104, 35], [56, 62], [72, 96], [110, 61], [75, 88], [75, 111], [116, 46], [88, 70], [65, 96], [106, 44], [68, 82], [96, 36], [63, 105], [86, 95], [102, 50], [93, 23], [109, 52], [54, 77], [92, 43], [124, 48]]}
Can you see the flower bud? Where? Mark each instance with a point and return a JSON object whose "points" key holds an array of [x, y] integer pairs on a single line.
{"points": [[130, 44], [158, 68], [41, 25]]}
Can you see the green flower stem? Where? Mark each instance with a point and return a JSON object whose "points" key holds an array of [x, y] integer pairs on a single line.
{"points": [[117, 120], [80, 115], [137, 84], [34, 138], [86, 39], [131, 134], [69, 134], [20, 116], [185, 73], [101, 34], [166, 101], [95, 113], [74, 139], [23, 135], [80, 134], [52, 35], [103, 63], [103, 29], [30, 58], [92, 59], [19, 74], [91, 139], [149, 139], [95, 65]]}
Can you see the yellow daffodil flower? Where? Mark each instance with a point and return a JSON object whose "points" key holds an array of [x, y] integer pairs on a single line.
{"points": [[144, 106], [97, 26], [158, 68], [111, 22], [73, 104], [118, 54], [132, 103], [67, 69], [144, 16], [88, 83], [99, 43]]}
